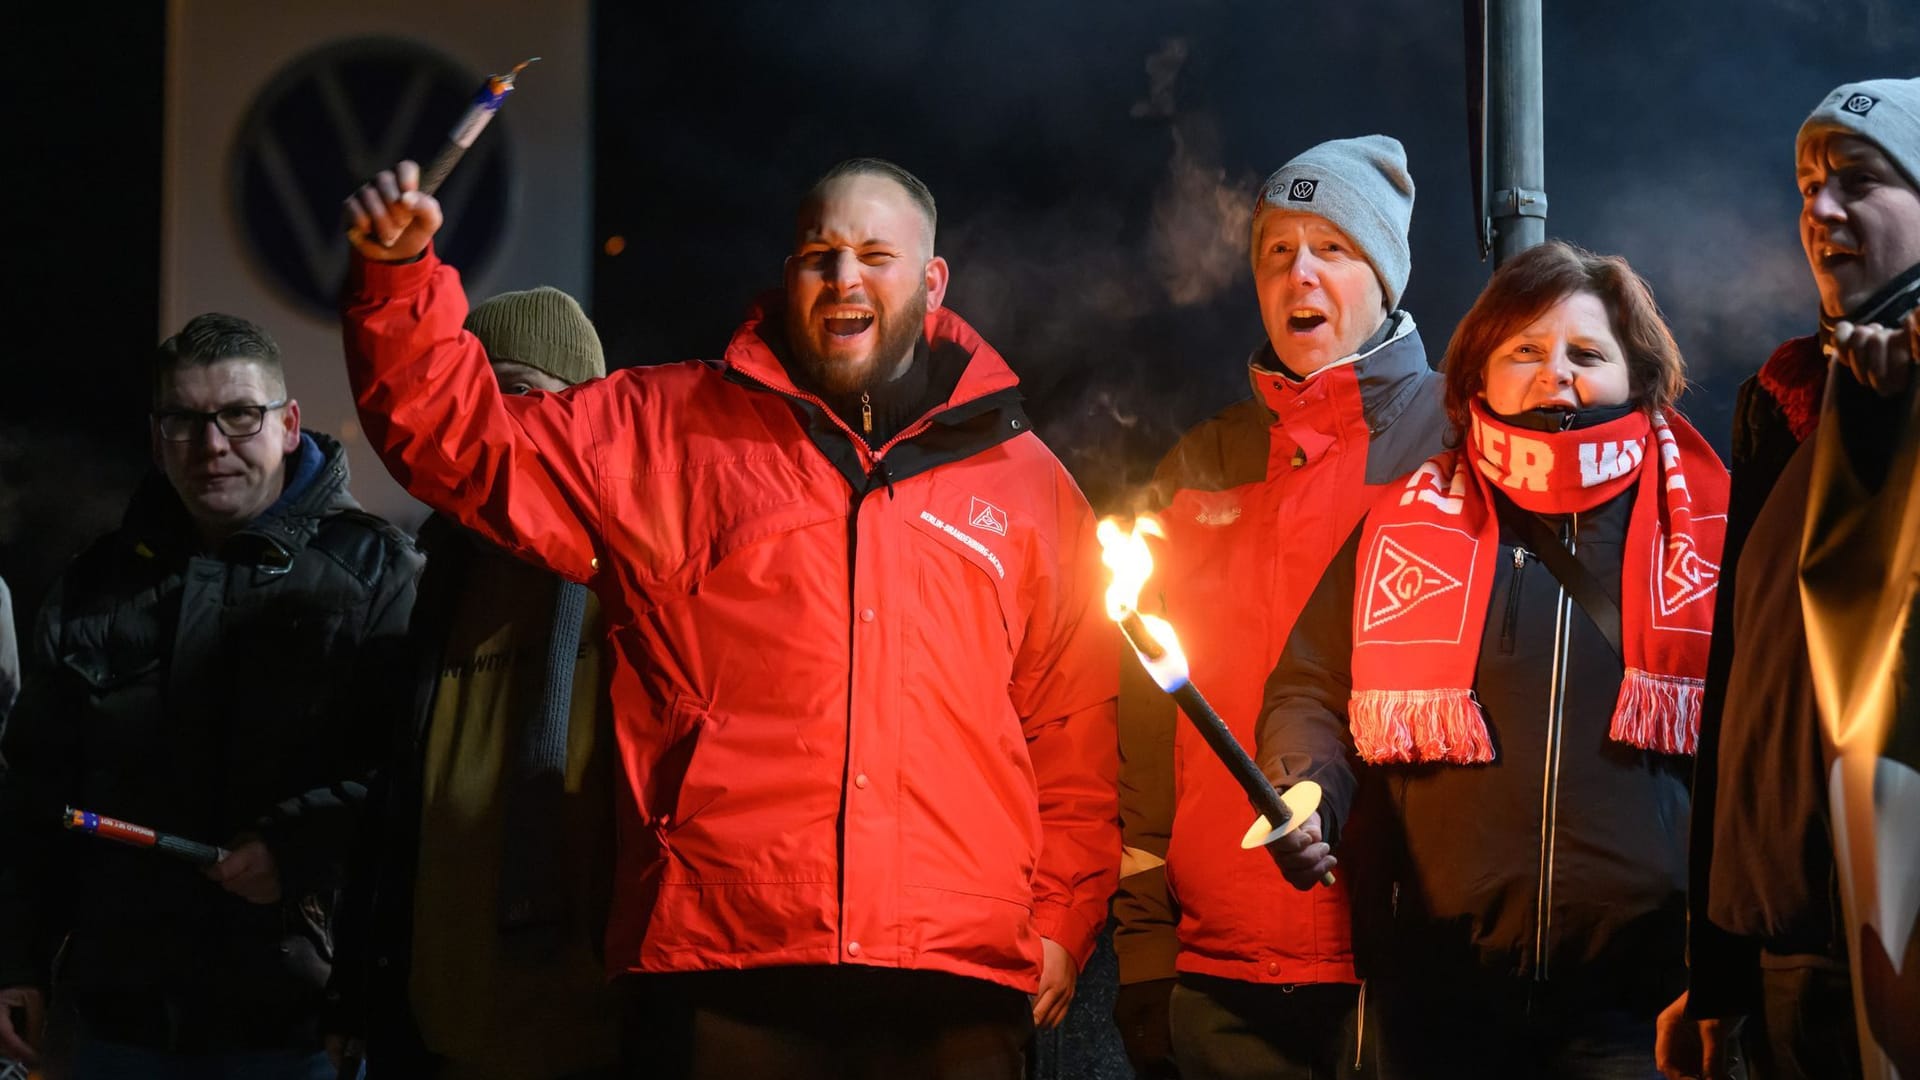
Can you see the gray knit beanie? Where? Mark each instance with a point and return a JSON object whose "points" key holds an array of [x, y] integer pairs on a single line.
{"points": [[1362, 186], [542, 328], [1885, 112]]}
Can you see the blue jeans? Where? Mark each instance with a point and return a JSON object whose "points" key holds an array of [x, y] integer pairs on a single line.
{"points": [[95, 1060]]}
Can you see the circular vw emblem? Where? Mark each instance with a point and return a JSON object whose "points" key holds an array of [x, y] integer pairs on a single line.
{"points": [[1859, 104], [329, 121], [1302, 190]]}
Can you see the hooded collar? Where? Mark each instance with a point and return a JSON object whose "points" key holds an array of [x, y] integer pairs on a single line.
{"points": [[1312, 413], [983, 409], [752, 354]]}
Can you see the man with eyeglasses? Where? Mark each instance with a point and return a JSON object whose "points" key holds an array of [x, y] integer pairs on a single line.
{"points": [[224, 666]]}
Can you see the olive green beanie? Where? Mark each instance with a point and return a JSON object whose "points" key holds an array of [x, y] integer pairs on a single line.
{"points": [[542, 328]]}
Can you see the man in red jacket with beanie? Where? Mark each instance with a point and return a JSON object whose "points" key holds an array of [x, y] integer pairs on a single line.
{"points": [[863, 683], [1255, 502]]}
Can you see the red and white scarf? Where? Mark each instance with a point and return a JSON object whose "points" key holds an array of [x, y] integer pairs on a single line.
{"points": [[1427, 567]]}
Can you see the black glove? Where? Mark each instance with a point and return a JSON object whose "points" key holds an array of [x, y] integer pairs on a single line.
{"points": [[1140, 1011]]}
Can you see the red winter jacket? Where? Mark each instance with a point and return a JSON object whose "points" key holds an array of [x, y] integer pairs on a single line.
{"points": [[1255, 503], [864, 699]]}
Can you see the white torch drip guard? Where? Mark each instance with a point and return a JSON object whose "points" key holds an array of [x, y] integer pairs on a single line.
{"points": [[1302, 799]]}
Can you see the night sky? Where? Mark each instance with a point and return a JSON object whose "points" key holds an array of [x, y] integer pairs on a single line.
{"points": [[1094, 163]]}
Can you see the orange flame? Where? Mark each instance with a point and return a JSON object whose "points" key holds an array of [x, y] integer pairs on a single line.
{"points": [[1125, 552]]}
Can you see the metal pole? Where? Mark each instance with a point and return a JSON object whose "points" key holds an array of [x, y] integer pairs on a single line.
{"points": [[1516, 123]]}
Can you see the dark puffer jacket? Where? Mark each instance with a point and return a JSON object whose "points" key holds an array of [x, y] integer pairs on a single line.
{"points": [[211, 695], [1563, 860]]}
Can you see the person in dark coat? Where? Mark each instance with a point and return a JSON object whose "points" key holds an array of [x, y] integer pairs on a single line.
{"points": [[218, 667], [1768, 933], [493, 849], [1514, 643]]}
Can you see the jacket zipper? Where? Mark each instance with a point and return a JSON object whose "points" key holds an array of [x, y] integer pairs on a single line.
{"points": [[866, 416], [1511, 624], [1550, 782], [876, 469], [1360, 1029]]}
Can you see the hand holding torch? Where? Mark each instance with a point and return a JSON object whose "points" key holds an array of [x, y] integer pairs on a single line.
{"points": [[1158, 649], [386, 210]]}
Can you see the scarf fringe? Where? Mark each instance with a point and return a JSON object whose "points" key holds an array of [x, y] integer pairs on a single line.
{"points": [[1658, 712], [1408, 726]]}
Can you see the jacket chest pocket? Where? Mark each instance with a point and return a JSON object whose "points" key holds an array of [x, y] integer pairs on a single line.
{"points": [[969, 562], [105, 672], [119, 660], [113, 649], [673, 529]]}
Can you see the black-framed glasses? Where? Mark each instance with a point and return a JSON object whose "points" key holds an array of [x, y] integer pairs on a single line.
{"points": [[234, 421]]}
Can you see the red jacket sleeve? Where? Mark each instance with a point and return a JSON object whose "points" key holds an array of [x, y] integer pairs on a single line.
{"points": [[1064, 687], [520, 471]]}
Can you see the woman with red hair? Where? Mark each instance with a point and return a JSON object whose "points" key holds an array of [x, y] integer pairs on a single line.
{"points": [[1513, 644]]}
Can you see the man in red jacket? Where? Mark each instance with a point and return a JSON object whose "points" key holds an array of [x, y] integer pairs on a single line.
{"points": [[863, 689], [1255, 503]]}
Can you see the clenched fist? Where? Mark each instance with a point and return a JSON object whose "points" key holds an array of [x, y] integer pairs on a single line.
{"points": [[248, 872], [1305, 856], [390, 219]]}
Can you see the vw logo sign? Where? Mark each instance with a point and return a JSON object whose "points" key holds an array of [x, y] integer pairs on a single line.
{"points": [[1302, 190], [326, 124]]}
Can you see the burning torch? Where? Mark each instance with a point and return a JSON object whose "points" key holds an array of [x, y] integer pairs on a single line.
{"points": [[142, 837], [1158, 648], [486, 102]]}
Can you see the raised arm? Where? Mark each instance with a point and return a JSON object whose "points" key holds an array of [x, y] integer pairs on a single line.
{"points": [[521, 471]]}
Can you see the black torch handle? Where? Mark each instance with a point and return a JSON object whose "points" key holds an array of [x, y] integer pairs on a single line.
{"points": [[191, 850], [441, 167], [1259, 791]]}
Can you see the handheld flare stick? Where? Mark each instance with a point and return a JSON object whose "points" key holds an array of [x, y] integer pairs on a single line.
{"points": [[486, 102], [1158, 648], [142, 837]]}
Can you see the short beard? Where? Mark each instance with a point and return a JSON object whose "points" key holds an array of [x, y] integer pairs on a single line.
{"points": [[887, 362]]}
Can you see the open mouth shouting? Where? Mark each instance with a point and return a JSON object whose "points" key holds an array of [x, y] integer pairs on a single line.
{"points": [[844, 323], [1305, 320], [1832, 255]]}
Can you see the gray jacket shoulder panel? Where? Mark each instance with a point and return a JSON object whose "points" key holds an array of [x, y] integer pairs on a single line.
{"points": [[1417, 430]]}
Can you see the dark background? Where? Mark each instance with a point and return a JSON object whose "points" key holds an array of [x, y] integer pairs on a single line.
{"points": [[1095, 163]]}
